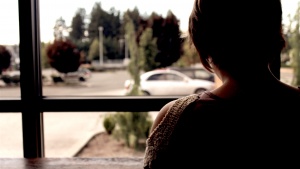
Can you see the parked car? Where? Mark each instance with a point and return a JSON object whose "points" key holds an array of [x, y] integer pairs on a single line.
{"points": [[82, 74], [11, 77], [169, 82], [196, 73]]}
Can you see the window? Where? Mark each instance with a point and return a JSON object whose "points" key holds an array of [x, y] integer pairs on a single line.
{"points": [[30, 102], [173, 77], [157, 77]]}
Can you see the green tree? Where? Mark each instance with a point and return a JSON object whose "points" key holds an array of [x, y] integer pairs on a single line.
{"points": [[169, 43], [133, 126], [60, 29], [44, 59], [135, 17], [77, 34], [110, 21], [63, 56], [94, 50], [294, 41], [135, 63], [189, 55], [111, 48], [97, 19], [5, 57], [77, 25], [148, 50]]}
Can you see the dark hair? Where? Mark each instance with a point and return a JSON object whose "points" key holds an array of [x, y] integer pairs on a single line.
{"points": [[236, 33]]}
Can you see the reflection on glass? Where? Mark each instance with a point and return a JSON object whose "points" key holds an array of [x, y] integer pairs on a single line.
{"points": [[9, 49], [11, 144], [82, 134]]}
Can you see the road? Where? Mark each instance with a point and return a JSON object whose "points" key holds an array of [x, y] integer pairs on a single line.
{"points": [[101, 83]]}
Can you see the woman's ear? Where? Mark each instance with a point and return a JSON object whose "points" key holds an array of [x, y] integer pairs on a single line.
{"points": [[209, 59]]}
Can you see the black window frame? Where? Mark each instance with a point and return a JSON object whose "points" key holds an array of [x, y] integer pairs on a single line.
{"points": [[32, 104]]}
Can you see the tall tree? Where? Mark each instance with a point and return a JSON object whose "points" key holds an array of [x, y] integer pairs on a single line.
{"points": [[97, 20], [169, 42], [78, 25], [60, 29], [94, 50], [134, 66], [44, 59], [148, 50], [294, 41], [111, 24], [189, 55], [135, 17], [5, 58], [77, 34]]}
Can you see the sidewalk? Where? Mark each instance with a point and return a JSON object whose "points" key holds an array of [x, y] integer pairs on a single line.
{"points": [[65, 133]]}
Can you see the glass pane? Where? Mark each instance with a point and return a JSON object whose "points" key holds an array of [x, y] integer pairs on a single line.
{"points": [[9, 49], [82, 134], [103, 51], [290, 63], [11, 135], [102, 43]]}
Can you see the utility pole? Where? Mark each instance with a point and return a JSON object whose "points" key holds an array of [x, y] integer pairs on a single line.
{"points": [[100, 46]]}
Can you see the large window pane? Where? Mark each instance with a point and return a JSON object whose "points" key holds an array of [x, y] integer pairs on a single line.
{"points": [[97, 29], [9, 52], [11, 135], [101, 83], [82, 134], [290, 56]]}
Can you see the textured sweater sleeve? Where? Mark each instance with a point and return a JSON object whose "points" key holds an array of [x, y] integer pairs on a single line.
{"points": [[159, 138]]}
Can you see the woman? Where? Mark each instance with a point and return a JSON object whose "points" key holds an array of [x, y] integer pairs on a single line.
{"points": [[252, 118]]}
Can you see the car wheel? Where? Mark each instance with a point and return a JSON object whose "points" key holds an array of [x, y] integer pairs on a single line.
{"points": [[145, 93], [57, 79], [6, 79], [82, 79], [198, 91]]}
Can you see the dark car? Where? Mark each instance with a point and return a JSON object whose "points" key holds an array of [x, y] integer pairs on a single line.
{"points": [[196, 73], [11, 77], [81, 75]]}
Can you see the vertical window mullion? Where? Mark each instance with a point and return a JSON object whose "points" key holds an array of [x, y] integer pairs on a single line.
{"points": [[31, 84]]}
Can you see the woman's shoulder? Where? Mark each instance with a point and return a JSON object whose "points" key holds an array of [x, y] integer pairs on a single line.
{"points": [[174, 107], [163, 127], [288, 92]]}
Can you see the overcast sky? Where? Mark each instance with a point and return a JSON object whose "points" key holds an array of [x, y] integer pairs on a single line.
{"points": [[51, 10]]}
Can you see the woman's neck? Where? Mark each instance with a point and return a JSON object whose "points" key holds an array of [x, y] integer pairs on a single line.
{"points": [[244, 85]]}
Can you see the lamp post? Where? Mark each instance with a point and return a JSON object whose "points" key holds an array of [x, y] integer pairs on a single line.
{"points": [[100, 45], [126, 59], [126, 46]]}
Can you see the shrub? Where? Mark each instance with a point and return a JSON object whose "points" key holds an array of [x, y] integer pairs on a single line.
{"points": [[133, 126], [63, 56], [109, 124]]}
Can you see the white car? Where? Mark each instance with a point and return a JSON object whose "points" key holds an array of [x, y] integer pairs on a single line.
{"points": [[169, 82]]}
